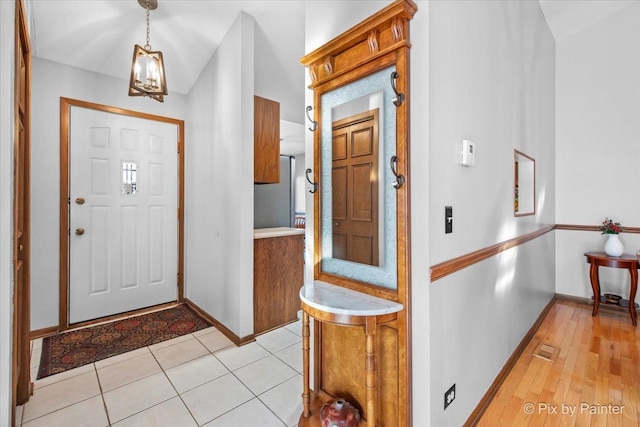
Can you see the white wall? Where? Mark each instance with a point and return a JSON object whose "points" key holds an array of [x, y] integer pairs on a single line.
{"points": [[6, 206], [274, 74], [219, 182], [598, 156], [300, 184], [478, 317], [419, 177], [326, 19], [70, 82], [491, 80]]}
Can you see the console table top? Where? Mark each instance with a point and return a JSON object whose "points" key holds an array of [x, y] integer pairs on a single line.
{"points": [[334, 299]]}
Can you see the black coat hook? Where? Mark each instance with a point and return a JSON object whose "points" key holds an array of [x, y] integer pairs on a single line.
{"points": [[315, 184], [399, 181], [314, 124], [399, 98]]}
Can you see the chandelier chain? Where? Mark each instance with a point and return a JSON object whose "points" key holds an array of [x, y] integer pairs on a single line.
{"points": [[148, 45]]}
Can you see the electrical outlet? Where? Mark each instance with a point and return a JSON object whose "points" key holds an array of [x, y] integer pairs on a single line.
{"points": [[449, 396], [448, 219]]}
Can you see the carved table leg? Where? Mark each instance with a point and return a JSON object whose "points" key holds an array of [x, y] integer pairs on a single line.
{"points": [[370, 331], [306, 397], [595, 285], [632, 295]]}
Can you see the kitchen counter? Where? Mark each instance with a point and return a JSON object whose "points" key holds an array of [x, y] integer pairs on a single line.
{"points": [[264, 233], [278, 274]]}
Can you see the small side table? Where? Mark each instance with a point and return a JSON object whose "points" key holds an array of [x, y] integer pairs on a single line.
{"points": [[340, 306], [630, 262]]}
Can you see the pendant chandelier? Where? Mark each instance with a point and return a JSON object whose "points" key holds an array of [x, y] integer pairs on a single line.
{"points": [[147, 67]]}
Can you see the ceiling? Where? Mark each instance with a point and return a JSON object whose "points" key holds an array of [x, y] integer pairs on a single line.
{"points": [[566, 17], [99, 35]]}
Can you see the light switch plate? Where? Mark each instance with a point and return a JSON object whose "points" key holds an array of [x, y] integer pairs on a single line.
{"points": [[448, 219]]}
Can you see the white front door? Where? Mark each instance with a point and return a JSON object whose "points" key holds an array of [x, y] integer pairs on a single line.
{"points": [[123, 213]]}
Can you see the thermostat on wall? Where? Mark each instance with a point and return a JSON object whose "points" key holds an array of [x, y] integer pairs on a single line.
{"points": [[467, 154]]}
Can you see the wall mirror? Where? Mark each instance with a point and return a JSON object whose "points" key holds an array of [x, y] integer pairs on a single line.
{"points": [[360, 81], [524, 188], [358, 199]]}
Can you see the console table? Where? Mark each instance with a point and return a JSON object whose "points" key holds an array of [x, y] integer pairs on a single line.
{"points": [[630, 262], [342, 306]]}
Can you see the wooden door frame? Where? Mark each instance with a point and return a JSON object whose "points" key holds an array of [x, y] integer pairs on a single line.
{"points": [[21, 385], [65, 116]]}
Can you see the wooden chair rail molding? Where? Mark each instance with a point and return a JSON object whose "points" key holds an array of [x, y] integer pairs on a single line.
{"points": [[632, 230], [445, 268]]}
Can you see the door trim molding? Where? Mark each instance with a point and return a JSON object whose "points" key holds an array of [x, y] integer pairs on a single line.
{"points": [[21, 385], [65, 110]]}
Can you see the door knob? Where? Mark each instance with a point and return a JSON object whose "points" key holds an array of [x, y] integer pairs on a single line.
{"points": [[21, 247], [80, 200], [79, 231]]}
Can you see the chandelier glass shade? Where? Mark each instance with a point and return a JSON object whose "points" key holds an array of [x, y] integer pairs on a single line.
{"points": [[147, 67]]}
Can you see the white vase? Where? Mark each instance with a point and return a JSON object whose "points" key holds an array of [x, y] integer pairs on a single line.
{"points": [[613, 245]]}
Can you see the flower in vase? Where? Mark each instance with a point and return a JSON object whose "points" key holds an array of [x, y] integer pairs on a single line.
{"points": [[608, 226]]}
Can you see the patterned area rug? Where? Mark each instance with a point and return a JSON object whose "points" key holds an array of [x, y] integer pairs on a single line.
{"points": [[72, 349]]}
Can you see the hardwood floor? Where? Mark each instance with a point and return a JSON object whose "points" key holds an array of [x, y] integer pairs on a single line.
{"points": [[594, 380]]}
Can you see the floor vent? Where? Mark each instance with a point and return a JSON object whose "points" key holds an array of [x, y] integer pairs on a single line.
{"points": [[546, 352]]}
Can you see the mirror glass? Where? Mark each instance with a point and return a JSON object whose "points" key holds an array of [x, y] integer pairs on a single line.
{"points": [[358, 200], [524, 202]]}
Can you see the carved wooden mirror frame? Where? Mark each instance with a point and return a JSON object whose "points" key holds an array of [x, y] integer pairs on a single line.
{"points": [[377, 43]]}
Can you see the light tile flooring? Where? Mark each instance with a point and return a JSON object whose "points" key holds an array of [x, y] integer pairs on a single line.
{"points": [[200, 379]]}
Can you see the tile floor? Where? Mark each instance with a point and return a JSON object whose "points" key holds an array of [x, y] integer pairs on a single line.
{"points": [[200, 379]]}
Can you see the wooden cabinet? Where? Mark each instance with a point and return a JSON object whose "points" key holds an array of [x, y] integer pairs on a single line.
{"points": [[266, 140], [369, 365], [362, 355], [277, 278]]}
